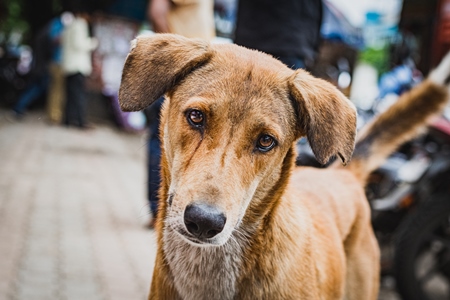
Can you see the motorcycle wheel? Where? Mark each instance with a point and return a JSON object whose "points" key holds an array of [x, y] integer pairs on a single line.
{"points": [[422, 252]]}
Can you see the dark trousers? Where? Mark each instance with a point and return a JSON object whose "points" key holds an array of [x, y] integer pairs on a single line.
{"points": [[154, 177], [75, 112], [292, 62], [154, 155]]}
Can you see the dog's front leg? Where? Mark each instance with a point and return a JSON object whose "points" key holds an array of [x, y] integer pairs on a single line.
{"points": [[162, 287]]}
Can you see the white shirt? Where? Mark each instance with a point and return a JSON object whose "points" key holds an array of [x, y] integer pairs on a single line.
{"points": [[77, 47]]}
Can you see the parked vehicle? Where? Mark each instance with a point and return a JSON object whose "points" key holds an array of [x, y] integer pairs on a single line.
{"points": [[410, 200]]}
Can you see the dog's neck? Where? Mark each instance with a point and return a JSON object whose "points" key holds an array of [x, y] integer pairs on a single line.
{"points": [[205, 272]]}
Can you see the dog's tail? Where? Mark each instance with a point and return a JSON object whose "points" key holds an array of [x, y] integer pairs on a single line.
{"points": [[401, 122]]}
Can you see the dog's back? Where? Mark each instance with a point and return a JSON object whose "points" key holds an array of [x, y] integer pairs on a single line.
{"points": [[335, 200]]}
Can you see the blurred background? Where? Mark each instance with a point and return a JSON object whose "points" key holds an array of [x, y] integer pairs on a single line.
{"points": [[75, 220]]}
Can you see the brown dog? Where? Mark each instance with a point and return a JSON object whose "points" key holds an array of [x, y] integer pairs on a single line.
{"points": [[237, 220]]}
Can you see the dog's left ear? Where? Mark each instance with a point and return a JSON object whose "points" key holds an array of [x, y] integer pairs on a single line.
{"points": [[156, 64], [325, 115]]}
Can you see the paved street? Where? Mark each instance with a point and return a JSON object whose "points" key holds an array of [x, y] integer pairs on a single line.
{"points": [[72, 205]]}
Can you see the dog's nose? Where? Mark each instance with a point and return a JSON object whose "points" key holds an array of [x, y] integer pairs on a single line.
{"points": [[203, 220]]}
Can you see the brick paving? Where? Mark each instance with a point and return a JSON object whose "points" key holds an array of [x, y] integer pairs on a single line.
{"points": [[72, 209]]}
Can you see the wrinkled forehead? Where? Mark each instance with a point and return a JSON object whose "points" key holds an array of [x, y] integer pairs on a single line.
{"points": [[238, 83]]}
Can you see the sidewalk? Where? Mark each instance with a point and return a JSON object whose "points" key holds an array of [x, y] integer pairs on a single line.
{"points": [[72, 205]]}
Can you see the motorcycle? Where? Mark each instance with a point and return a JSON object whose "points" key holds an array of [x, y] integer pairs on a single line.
{"points": [[410, 200]]}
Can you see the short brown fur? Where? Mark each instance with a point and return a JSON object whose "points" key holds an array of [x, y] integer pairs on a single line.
{"points": [[291, 233]]}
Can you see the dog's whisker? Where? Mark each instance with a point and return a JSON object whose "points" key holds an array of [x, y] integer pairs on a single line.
{"points": [[242, 235]]}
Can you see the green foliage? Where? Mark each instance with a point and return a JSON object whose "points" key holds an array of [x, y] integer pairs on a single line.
{"points": [[379, 58], [14, 19]]}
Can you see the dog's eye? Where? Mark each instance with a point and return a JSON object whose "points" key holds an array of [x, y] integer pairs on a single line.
{"points": [[195, 118], [265, 143]]}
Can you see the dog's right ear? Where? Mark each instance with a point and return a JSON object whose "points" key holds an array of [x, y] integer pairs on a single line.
{"points": [[327, 117], [156, 64]]}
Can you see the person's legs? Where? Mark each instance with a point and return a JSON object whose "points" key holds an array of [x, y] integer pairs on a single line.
{"points": [[56, 94], [71, 90], [80, 101], [153, 157], [36, 89]]}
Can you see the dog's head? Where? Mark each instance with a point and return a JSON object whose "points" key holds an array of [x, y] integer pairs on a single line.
{"points": [[229, 122]]}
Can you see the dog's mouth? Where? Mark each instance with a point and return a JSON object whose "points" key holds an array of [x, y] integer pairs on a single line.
{"points": [[194, 240]]}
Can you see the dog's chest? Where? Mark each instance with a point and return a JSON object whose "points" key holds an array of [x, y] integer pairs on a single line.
{"points": [[203, 273]]}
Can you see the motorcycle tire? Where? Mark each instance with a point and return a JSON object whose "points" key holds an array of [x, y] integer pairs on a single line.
{"points": [[423, 230]]}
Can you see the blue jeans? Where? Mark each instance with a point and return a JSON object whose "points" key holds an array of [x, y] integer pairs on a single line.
{"points": [[36, 89], [154, 156], [154, 178]]}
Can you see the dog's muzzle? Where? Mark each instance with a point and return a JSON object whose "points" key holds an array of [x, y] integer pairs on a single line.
{"points": [[204, 221]]}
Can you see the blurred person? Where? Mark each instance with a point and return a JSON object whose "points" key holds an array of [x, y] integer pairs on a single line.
{"points": [[190, 18], [77, 47], [56, 92], [39, 73], [289, 30]]}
